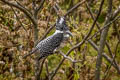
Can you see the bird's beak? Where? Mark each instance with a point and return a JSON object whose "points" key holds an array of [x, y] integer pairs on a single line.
{"points": [[69, 33]]}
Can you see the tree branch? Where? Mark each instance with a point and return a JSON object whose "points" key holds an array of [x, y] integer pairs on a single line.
{"points": [[22, 9], [18, 19], [106, 73], [38, 68], [74, 7], [69, 58], [116, 11], [79, 44], [47, 71], [102, 42], [39, 7], [105, 56], [69, 11], [57, 10], [107, 25]]}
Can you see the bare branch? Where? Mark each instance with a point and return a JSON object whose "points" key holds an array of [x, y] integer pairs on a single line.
{"points": [[69, 58], [38, 68], [58, 7], [46, 65], [74, 7], [39, 7], [110, 61], [28, 14], [102, 42], [56, 10], [34, 5], [79, 44], [116, 12], [107, 25], [116, 29], [94, 45], [91, 13], [105, 56], [19, 19], [106, 73], [110, 52], [48, 30], [41, 67], [22, 9]]}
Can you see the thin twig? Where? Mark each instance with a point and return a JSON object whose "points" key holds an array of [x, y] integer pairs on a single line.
{"points": [[41, 66], [34, 8], [107, 25], [106, 73], [74, 7], [40, 6], [117, 30], [56, 10], [47, 70], [58, 7], [105, 56], [79, 44], [111, 54], [48, 30], [69, 58], [38, 68], [91, 13], [115, 14], [69, 11], [34, 5], [23, 7], [28, 14], [18, 19], [102, 42], [93, 44]]}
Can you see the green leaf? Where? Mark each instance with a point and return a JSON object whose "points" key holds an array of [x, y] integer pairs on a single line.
{"points": [[101, 18]]}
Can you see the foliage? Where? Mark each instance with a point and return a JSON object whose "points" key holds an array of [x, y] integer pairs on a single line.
{"points": [[15, 41]]}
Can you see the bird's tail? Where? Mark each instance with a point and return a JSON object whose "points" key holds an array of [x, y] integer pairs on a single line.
{"points": [[34, 50]]}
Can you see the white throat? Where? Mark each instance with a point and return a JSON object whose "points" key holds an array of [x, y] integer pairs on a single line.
{"points": [[58, 31]]}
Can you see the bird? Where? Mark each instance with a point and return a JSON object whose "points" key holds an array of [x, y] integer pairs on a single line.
{"points": [[48, 45]]}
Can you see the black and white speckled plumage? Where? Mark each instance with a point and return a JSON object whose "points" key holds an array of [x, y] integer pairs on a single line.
{"points": [[49, 44]]}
